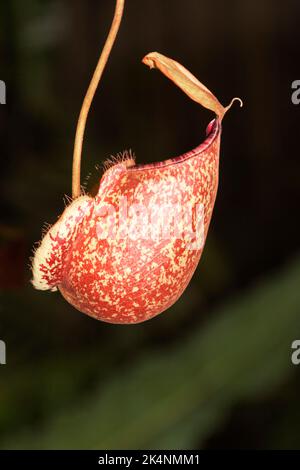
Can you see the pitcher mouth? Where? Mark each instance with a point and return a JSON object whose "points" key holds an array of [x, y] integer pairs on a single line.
{"points": [[212, 131]]}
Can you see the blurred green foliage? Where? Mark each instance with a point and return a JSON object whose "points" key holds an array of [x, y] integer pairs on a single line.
{"points": [[175, 399]]}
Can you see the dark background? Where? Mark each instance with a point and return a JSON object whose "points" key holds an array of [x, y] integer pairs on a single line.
{"points": [[215, 370]]}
